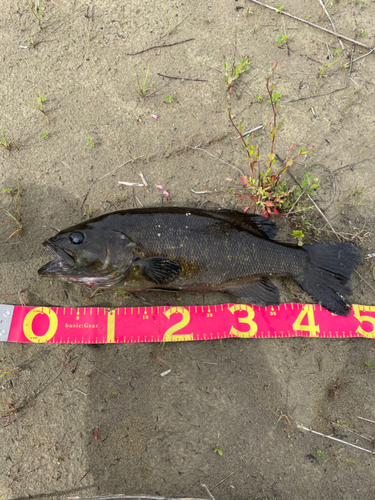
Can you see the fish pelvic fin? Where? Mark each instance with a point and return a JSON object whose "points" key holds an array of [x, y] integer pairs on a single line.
{"points": [[325, 278], [261, 292]]}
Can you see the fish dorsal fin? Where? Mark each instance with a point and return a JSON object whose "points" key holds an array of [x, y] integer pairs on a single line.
{"points": [[161, 270], [255, 222]]}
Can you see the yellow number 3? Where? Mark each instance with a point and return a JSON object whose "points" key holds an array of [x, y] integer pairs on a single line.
{"points": [[248, 320]]}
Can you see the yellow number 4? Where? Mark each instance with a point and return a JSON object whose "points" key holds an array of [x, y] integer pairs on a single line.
{"points": [[311, 326]]}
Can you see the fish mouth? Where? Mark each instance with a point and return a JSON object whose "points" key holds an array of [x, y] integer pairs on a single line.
{"points": [[61, 265]]}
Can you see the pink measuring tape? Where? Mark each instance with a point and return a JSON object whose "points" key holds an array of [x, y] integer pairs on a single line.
{"points": [[98, 325]]}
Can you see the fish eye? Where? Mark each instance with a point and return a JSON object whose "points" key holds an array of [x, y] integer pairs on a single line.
{"points": [[76, 238]]}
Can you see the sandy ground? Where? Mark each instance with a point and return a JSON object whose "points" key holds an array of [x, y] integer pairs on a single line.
{"points": [[100, 420]]}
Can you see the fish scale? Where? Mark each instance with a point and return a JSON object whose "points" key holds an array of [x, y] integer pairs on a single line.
{"points": [[218, 250]]}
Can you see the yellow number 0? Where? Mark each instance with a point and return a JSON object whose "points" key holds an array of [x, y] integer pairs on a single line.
{"points": [[28, 324], [248, 320], [178, 326], [370, 319]]}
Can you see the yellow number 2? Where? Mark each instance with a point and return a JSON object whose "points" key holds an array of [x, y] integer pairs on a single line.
{"points": [[248, 320], [178, 326], [311, 326], [357, 314]]}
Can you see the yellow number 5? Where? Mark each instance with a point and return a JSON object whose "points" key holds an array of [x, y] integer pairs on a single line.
{"points": [[247, 320], [357, 314]]}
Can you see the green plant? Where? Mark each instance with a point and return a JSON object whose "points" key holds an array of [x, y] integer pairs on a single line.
{"points": [[267, 192], [259, 98], [169, 18], [369, 364], [20, 25], [87, 210], [320, 453], [309, 185], [282, 40], [16, 216], [36, 9], [141, 84], [363, 32], [249, 10], [321, 73], [90, 142], [218, 450], [120, 200], [39, 105], [45, 134], [275, 98], [169, 99], [298, 235], [233, 72], [90, 19], [279, 8], [6, 143]]}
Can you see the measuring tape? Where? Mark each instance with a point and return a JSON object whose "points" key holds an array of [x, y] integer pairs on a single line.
{"points": [[99, 325]]}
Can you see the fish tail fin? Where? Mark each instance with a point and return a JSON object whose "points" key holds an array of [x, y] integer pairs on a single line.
{"points": [[326, 276]]}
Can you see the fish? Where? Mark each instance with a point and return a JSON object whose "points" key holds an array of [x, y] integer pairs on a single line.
{"points": [[177, 248]]}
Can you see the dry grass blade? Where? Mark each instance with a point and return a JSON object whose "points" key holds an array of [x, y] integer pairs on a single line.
{"points": [[313, 25], [335, 439]]}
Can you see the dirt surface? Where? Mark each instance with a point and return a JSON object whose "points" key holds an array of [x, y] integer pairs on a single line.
{"points": [[100, 420]]}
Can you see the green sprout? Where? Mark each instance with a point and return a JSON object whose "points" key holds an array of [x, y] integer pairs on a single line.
{"points": [[218, 450], [5, 143], [282, 40], [45, 134], [275, 98], [234, 72], [90, 142], [39, 105], [169, 99], [259, 98], [36, 9], [298, 235], [309, 184]]}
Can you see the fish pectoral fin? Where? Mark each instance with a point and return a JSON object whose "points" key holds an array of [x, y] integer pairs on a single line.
{"points": [[259, 293], [161, 270]]}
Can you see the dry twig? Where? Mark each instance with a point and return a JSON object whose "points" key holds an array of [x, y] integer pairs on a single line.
{"points": [[145, 497], [159, 47], [335, 439], [314, 25], [217, 158], [182, 78]]}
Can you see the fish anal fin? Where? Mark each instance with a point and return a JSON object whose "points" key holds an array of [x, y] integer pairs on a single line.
{"points": [[261, 292], [160, 270], [254, 222]]}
